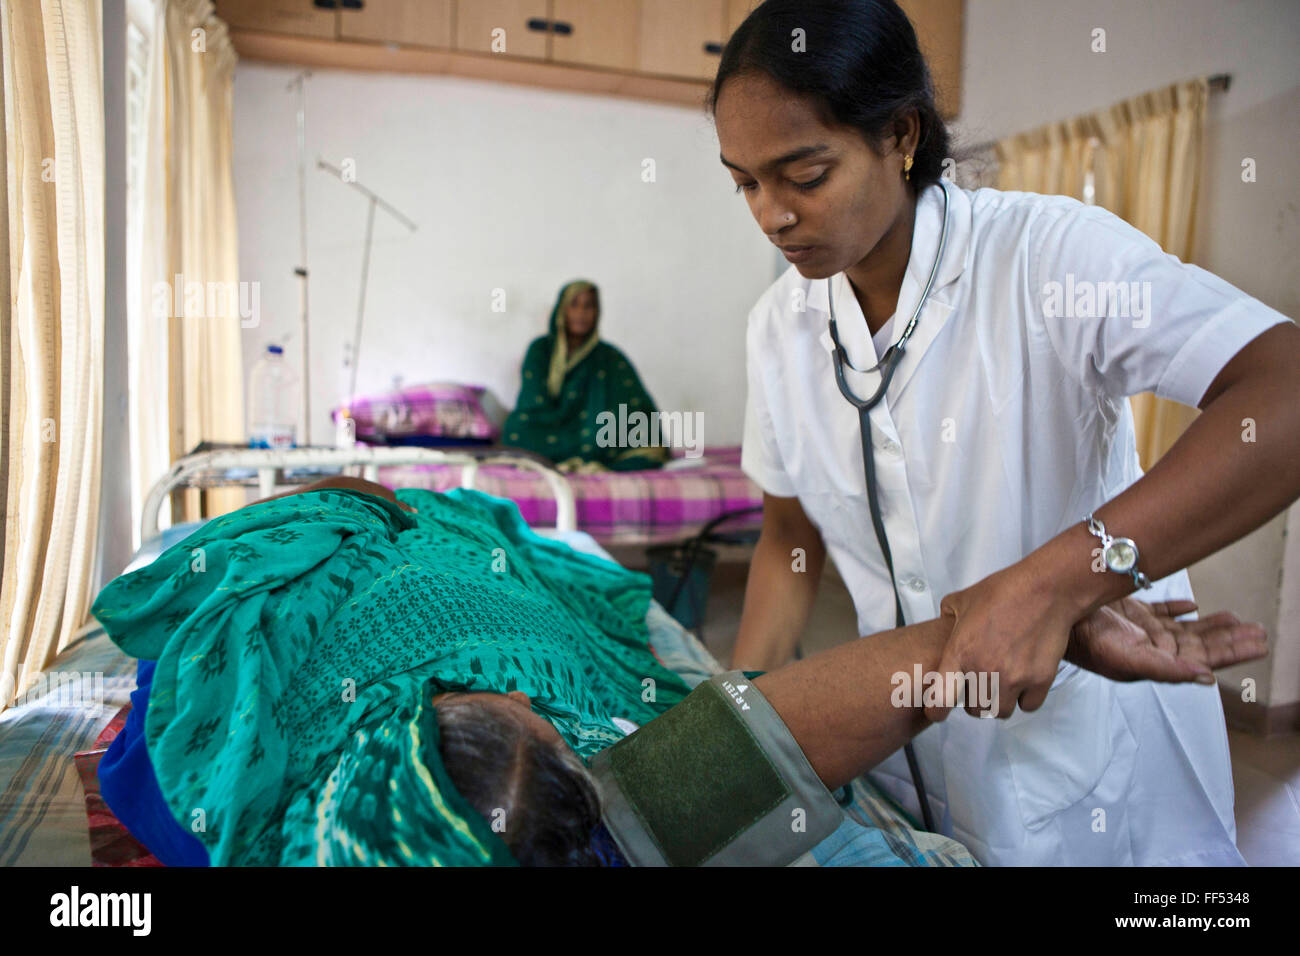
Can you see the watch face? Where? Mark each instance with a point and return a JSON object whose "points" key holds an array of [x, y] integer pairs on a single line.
{"points": [[1121, 555]]}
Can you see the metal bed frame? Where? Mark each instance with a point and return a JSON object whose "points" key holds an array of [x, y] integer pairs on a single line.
{"points": [[211, 469]]}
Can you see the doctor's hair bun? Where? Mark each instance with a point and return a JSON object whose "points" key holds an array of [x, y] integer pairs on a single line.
{"points": [[861, 64]]}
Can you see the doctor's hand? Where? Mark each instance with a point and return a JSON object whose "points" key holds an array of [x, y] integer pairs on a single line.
{"points": [[1010, 625], [1130, 640]]}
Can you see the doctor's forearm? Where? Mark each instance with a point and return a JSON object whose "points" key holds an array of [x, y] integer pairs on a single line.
{"points": [[778, 602], [838, 704], [1235, 467]]}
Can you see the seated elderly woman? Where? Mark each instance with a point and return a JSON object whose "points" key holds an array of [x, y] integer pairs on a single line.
{"points": [[570, 380], [347, 676]]}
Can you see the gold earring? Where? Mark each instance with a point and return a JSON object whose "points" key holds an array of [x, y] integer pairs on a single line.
{"points": [[907, 168]]}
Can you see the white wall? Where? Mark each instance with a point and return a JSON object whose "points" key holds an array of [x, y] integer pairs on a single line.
{"points": [[1026, 64], [512, 188]]}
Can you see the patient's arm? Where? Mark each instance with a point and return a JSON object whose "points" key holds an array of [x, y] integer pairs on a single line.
{"points": [[837, 704]]}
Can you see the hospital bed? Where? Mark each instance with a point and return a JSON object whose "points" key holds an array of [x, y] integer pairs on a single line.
{"points": [[269, 469], [47, 818], [618, 508]]}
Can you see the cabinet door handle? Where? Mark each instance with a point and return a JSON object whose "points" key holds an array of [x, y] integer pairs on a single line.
{"points": [[326, 4], [550, 26], [715, 48], [352, 4]]}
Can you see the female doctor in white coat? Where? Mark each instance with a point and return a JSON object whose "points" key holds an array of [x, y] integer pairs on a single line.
{"points": [[1005, 422]]}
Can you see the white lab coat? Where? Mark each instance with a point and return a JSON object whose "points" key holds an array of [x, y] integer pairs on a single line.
{"points": [[1004, 425]]}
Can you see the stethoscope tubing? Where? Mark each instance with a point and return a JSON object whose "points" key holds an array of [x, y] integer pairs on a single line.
{"points": [[894, 354], [887, 365]]}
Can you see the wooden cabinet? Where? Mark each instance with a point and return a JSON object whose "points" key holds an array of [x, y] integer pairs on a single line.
{"points": [[600, 33], [737, 10], [406, 22], [938, 25], [477, 19], [664, 50], [682, 37], [297, 17]]}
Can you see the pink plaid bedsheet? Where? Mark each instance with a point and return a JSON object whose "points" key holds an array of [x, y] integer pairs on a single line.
{"points": [[615, 508]]}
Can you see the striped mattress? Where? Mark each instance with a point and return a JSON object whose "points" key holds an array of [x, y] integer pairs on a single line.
{"points": [[616, 507]]}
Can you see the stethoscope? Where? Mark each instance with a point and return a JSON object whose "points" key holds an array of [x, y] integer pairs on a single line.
{"points": [[887, 365]]}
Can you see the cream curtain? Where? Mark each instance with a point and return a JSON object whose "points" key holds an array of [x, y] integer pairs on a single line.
{"points": [[147, 258], [1141, 159], [50, 407], [187, 374]]}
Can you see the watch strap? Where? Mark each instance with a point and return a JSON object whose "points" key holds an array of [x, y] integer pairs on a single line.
{"points": [[1097, 528]]}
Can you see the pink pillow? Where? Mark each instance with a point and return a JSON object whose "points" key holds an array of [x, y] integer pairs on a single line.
{"points": [[441, 410]]}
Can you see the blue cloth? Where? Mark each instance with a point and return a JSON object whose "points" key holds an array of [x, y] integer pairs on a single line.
{"points": [[852, 844], [129, 787], [603, 845]]}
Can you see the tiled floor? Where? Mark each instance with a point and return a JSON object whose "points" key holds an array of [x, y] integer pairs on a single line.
{"points": [[1266, 772]]}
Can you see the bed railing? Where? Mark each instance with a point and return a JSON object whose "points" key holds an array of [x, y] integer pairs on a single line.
{"points": [[269, 462]]}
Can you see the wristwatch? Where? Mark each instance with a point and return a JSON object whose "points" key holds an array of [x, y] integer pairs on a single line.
{"points": [[1120, 554]]}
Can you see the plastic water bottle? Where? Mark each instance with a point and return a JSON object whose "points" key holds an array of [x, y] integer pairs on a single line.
{"points": [[272, 402]]}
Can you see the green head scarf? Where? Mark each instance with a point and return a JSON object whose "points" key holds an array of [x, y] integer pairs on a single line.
{"points": [[561, 361]]}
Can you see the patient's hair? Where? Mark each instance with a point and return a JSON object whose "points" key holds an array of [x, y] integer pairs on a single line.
{"points": [[862, 66], [497, 762]]}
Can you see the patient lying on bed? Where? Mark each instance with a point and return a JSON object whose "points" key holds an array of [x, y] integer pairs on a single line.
{"points": [[344, 677]]}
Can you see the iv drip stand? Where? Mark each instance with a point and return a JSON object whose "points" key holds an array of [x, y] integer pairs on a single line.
{"points": [[374, 201], [304, 413]]}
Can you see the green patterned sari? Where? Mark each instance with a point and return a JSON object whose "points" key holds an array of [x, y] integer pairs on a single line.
{"points": [[299, 641]]}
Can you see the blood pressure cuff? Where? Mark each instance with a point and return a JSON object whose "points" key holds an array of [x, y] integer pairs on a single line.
{"points": [[717, 780]]}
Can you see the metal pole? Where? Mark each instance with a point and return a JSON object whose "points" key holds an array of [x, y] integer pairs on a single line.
{"points": [[361, 303], [368, 193], [375, 202], [1217, 82], [304, 419]]}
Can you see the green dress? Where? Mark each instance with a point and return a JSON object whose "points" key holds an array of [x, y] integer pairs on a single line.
{"points": [[579, 416], [299, 641]]}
